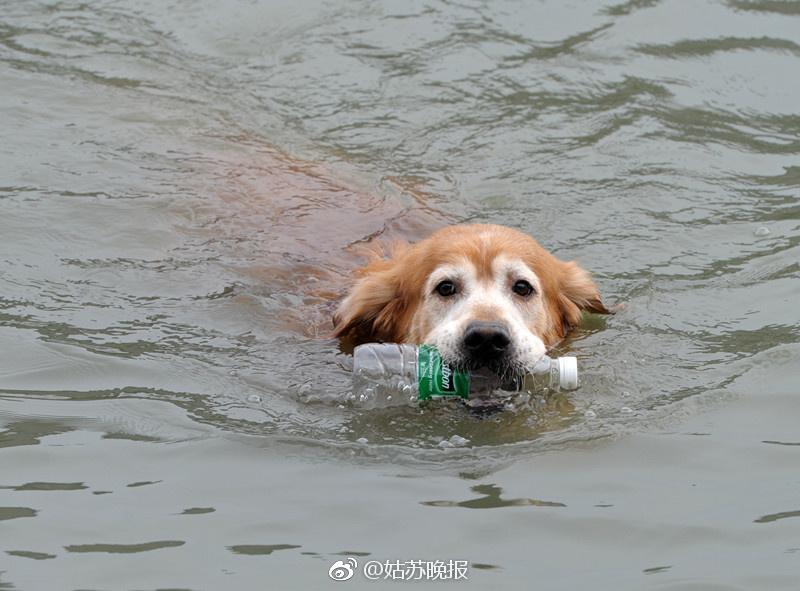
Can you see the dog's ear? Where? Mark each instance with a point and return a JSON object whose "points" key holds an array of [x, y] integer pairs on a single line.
{"points": [[577, 292], [376, 308]]}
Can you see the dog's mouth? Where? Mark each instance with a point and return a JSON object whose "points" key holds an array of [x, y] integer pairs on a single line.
{"points": [[489, 376], [488, 347]]}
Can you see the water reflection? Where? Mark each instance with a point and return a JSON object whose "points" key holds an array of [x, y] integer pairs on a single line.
{"points": [[490, 499], [260, 549], [776, 516], [16, 512], [124, 548]]}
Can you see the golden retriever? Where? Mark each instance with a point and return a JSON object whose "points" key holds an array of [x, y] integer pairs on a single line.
{"points": [[486, 296]]}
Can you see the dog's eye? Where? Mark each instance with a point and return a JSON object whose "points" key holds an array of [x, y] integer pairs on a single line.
{"points": [[446, 288], [523, 288]]}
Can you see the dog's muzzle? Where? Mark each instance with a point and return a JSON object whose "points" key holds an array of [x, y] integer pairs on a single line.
{"points": [[486, 344]]}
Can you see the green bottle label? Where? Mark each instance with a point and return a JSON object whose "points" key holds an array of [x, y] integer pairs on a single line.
{"points": [[437, 378]]}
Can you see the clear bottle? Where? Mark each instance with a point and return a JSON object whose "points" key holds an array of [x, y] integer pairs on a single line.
{"points": [[388, 374]]}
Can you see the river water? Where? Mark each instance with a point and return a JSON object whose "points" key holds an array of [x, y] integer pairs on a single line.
{"points": [[185, 188]]}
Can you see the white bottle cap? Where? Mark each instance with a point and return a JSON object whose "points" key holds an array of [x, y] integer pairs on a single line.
{"points": [[568, 373]]}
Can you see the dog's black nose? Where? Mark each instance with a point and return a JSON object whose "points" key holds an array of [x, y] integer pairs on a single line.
{"points": [[486, 341]]}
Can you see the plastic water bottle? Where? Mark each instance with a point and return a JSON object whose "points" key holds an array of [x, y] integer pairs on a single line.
{"points": [[387, 374]]}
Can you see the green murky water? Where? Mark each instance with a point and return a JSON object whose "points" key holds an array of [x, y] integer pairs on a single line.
{"points": [[184, 187]]}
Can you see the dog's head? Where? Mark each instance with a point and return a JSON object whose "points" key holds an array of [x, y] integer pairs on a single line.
{"points": [[485, 296]]}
